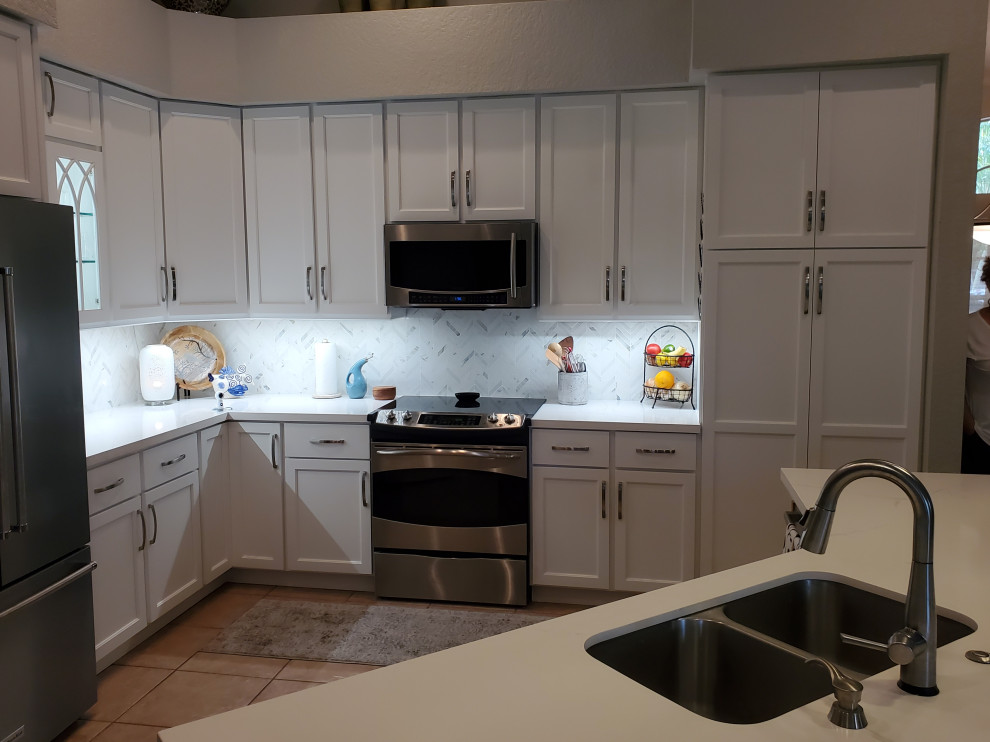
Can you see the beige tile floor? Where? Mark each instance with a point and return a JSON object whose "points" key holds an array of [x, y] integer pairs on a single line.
{"points": [[168, 680]]}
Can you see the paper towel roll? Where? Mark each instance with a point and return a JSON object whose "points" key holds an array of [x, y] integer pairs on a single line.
{"points": [[327, 383]]}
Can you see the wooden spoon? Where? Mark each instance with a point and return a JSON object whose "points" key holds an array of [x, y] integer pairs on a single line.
{"points": [[554, 359]]}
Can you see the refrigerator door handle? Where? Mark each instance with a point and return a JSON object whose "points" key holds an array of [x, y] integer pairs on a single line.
{"points": [[15, 479], [54, 587]]}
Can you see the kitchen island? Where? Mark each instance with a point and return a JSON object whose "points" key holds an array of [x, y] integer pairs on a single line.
{"points": [[538, 683]]}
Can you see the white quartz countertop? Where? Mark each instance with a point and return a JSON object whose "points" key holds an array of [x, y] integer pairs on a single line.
{"points": [[123, 430], [538, 683], [614, 415]]}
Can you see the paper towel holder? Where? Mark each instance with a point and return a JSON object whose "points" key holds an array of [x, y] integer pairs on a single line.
{"points": [[327, 383]]}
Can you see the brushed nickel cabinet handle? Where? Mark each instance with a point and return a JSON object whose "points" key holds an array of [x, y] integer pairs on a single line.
{"points": [[328, 441], [608, 281], [274, 441], [164, 285], [309, 282], [807, 289], [467, 182], [364, 488], [323, 282], [657, 450], [154, 519], [620, 501], [604, 511], [811, 212], [513, 288], [176, 460], [570, 448], [453, 184], [821, 289], [51, 87], [821, 218], [622, 284], [144, 530], [175, 294], [112, 485]]}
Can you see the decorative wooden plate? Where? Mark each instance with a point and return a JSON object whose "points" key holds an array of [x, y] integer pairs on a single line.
{"points": [[197, 354]]}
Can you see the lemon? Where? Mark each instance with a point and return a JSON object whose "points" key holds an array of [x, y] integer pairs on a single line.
{"points": [[664, 380]]}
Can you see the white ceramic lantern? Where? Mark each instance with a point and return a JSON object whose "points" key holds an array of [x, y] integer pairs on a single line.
{"points": [[157, 371]]}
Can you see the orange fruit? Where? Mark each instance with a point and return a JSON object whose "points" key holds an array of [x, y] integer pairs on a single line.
{"points": [[664, 380]]}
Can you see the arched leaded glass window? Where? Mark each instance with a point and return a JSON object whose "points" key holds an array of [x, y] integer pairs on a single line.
{"points": [[983, 158], [75, 185]]}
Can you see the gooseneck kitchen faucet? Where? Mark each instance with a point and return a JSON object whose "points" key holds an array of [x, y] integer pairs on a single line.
{"points": [[912, 647]]}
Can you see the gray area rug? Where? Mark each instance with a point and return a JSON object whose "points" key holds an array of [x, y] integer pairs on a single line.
{"points": [[344, 632]]}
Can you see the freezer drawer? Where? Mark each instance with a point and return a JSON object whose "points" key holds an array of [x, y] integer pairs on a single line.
{"points": [[46, 642]]}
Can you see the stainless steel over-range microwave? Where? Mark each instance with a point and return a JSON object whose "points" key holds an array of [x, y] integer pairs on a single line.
{"points": [[481, 265]]}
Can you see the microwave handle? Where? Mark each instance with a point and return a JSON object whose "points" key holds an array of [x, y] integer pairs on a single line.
{"points": [[513, 288]]}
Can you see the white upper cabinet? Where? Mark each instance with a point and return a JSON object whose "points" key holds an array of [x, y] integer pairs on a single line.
{"points": [[72, 105], [577, 205], [348, 168], [651, 271], [204, 210], [876, 143], [278, 190], [658, 204], [841, 158], [427, 179], [20, 144], [135, 233], [498, 137], [422, 161]]}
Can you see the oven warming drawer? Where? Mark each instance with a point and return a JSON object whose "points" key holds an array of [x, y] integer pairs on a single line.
{"points": [[390, 534], [461, 579]]}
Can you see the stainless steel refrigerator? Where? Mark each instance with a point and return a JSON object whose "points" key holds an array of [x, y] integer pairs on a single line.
{"points": [[47, 659]]}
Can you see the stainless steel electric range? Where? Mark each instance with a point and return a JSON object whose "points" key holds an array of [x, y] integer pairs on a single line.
{"points": [[450, 498]]}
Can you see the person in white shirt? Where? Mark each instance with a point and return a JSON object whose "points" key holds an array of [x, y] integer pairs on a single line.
{"points": [[976, 423]]}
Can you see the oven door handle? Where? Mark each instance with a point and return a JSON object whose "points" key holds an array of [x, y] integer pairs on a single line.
{"points": [[446, 452]]}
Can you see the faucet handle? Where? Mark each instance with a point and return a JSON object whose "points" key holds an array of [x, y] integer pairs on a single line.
{"points": [[846, 711], [905, 644]]}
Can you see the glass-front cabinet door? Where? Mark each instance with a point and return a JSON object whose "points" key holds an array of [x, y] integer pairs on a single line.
{"points": [[75, 179]]}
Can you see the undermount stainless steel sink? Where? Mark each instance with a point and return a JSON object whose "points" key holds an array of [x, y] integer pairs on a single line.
{"points": [[743, 662]]}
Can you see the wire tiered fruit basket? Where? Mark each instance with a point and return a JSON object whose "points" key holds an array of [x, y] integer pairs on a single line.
{"points": [[668, 358]]}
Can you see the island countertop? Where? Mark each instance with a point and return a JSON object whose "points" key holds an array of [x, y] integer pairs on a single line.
{"points": [[538, 683]]}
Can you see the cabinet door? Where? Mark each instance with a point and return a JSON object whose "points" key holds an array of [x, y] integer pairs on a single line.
{"points": [[278, 192], [653, 529], [422, 161], [118, 540], [876, 141], [349, 172], [214, 502], [570, 527], [658, 204], [756, 366], [72, 105], [20, 145], [135, 233], [327, 516], [174, 553], [204, 210], [867, 356], [577, 206], [77, 181], [498, 136], [256, 496], [760, 159]]}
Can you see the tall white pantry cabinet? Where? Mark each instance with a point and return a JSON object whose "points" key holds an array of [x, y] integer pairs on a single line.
{"points": [[817, 200]]}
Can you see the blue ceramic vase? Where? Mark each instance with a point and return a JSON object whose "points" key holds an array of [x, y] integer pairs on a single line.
{"points": [[355, 383]]}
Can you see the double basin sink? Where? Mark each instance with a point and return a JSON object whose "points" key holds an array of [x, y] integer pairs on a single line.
{"points": [[744, 661]]}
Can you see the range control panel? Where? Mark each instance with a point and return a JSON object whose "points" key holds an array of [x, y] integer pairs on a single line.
{"points": [[447, 420]]}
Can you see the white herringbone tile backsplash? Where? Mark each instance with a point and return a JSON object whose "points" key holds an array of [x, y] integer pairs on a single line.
{"points": [[420, 351]]}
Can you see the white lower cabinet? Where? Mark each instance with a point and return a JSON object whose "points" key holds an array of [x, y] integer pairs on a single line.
{"points": [[613, 528], [256, 496], [174, 553], [327, 498], [117, 545], [214, 501]]}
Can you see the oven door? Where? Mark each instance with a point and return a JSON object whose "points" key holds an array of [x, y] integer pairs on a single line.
{"points": [[454, 499]]}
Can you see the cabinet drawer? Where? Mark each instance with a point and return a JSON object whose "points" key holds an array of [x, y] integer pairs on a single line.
{"points": [[570, 447], [656, 451], [169, 460], [326, 441], [114, 482]]}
